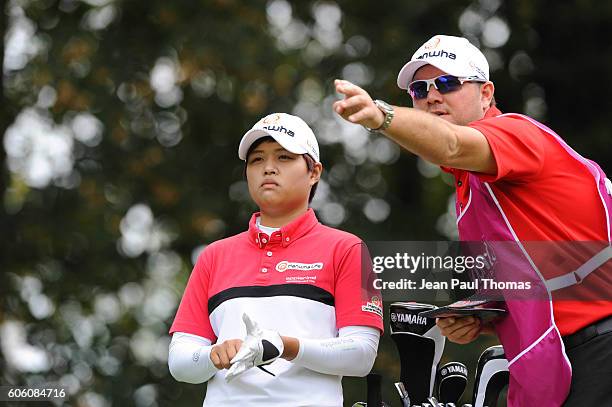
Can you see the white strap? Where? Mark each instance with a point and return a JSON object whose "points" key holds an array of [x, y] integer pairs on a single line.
{"points": [[608, 185], [576, 276]]}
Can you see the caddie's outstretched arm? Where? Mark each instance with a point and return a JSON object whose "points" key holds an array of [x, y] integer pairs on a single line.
{"points": [[421, 133]]}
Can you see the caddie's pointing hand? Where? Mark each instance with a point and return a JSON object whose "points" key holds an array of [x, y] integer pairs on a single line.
{"points": [[357, 105]]}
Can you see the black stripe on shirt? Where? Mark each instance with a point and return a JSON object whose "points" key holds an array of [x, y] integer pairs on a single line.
{"points": [[307, 291]]}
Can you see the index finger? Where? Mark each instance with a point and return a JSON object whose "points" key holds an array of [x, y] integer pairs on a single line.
{"points": [[347, 88]]}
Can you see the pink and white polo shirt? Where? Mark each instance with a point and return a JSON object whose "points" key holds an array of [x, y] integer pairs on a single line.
{"points": [[303, 281]]}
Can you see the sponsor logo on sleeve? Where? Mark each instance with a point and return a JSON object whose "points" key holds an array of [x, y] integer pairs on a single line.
{"points": [[374, 306], [196, 356]]}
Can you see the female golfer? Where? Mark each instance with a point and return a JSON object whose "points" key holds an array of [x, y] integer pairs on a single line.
{"points": [[285, 296]]}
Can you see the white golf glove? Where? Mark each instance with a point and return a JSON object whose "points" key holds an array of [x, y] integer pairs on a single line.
{"points": [[260, 347]]}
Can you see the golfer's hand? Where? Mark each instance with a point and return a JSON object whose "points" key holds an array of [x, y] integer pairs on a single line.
{"points": [[460, 330], [223, 353], [260, 347], [357, 105]]}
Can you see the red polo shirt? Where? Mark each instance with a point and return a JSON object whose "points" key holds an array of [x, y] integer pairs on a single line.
{"points": [[546, 194], [304, 259], [303, 281]]}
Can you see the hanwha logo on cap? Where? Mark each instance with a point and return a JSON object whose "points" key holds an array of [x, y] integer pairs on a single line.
{"points": [[271, 119], [433, 43]]}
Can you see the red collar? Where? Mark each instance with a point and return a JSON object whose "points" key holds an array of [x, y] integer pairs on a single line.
{"points": [[286, 234], [491, 112]]}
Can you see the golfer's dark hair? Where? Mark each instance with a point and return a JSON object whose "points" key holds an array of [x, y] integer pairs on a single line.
{"points": [[310, 162]]}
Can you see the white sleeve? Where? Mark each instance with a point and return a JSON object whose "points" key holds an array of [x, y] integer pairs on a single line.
{"points": [[352, 353], [189, 358]]}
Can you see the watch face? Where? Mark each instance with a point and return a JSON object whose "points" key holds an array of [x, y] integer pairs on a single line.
{"points": [[384, 106]]}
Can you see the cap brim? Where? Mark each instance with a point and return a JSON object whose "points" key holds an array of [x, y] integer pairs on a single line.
{"points": [[407, 73], [253, 135]]}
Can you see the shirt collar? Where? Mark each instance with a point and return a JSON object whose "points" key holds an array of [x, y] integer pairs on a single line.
{"points": [[491, 112], [287, 234]]}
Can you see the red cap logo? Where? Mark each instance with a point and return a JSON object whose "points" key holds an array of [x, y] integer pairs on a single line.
{"points": [[273, 118], [432, 44]]}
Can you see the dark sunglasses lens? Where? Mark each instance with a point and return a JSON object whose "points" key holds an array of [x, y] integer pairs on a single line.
{"points": [[447, 83], [418, 89]]}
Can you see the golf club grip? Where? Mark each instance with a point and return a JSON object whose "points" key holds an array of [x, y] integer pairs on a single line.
{"points": [[374, 396]]}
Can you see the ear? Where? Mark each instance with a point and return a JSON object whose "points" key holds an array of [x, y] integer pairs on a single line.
{"points": [[315, 174], [486, 95]]}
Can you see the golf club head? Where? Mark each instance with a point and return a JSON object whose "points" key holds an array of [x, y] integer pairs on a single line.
{"points": [[452, 380], [420, 345], [491, 376]]}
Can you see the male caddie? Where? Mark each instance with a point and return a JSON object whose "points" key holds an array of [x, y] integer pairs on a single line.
{"points": [[516, 181]]}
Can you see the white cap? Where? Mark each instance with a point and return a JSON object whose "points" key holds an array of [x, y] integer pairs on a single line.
{"points": [[289, 131], [453, 55]]}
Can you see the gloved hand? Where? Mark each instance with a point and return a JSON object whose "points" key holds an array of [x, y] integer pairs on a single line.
{"points": [[260, 347]]}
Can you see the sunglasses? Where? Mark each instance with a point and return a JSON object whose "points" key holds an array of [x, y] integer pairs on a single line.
{"points": [[444, 84]]}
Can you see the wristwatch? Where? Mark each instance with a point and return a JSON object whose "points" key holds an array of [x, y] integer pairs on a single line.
{"points": [[387, 109]]}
